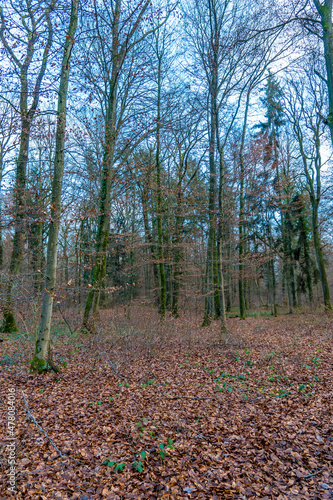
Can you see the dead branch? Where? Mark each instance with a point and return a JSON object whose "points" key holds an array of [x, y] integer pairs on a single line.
{"points": [[308, 476], [33, 420]]}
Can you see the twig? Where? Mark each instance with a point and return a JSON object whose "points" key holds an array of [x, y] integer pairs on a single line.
{"points": [[191, 397], [90, 370], [65, 320], [116, 371], [50, 361], [311, 475], [33, 420]]}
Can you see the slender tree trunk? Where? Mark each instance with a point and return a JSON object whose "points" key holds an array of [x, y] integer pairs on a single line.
{"points": [[315, 196], [9, 323], [211, 244], [325, 12], [320, 259], [118, 55], [161, 266], [149, 240], [241, 214], [1, 237], [307, 258], [222, 306], [177, 252], [41, 357], [271, 275]]}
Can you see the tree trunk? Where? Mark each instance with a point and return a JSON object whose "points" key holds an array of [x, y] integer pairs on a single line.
{"points": [[241, 214], [99, 272], [41, 358], [112, 69], [27, 115], [320, 259], [159, 198], [9, 323], [1, 238], [211, 244], [149, 240], [325, 12], [177, 252]]}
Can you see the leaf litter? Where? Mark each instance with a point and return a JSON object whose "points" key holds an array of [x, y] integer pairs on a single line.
{"points": [[169, 411]]}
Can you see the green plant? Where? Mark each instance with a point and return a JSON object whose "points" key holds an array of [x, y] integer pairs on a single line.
{"points": [[162, 448], [282, 393], [161, 451], [316, 361], [170, 444], [142, 424], [118, 466], [138, 466]]}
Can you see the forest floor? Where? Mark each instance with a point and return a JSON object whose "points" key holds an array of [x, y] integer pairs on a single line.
{"points": [[145, 410]]}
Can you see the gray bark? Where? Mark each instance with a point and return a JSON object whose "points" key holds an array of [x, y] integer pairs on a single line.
{"points": [[41, 357]]}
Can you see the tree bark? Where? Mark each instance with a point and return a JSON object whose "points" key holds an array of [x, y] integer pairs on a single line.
{"points": [[325, 12], [161, 266], [42, 351], [27, 115], [118, 55], [320, 259]]}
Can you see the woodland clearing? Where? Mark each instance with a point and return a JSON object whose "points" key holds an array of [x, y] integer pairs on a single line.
{"points": [[151, 410]]}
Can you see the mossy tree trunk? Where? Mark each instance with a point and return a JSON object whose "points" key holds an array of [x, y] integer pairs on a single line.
{"points": [[211, 265], [41, 358], [27, 114], [304, 243], [221, 235], [320, 258], [112, 64], [313, 176], [325, 12]]}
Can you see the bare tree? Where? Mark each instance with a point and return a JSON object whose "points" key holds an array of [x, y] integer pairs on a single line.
{"points": [[28, 30], [8, 143], [42, 350], [305, 104], [120, 29]]}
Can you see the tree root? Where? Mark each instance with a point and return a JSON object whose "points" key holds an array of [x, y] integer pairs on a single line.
{"points": [[50, 361]]}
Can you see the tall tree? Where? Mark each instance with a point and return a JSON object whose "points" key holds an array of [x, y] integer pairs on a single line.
{"points": [[213, 32], [33, 35], [273, 105], [42, 355], [8, 142], [325, 10], [306, 103], [123, 22]]}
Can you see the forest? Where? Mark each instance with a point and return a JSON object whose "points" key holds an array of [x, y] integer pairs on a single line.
{"points": [[166, 249]]}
